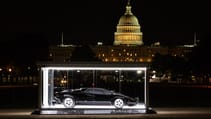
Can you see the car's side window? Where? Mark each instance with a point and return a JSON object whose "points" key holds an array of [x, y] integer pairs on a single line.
{"points": [[95, 91], [98, 92], [107, 92], [88, 91]]}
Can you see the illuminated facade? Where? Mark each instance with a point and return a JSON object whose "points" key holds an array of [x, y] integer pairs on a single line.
{"points": [[123, 53]]}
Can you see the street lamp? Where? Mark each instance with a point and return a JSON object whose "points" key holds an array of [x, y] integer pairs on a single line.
{"points": [[10, 69]]}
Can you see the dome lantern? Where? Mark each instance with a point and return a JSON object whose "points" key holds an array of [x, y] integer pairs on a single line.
{"points": [[128, 9]]}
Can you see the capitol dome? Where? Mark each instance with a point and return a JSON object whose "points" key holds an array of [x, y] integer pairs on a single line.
{"points": [[128, 18], [128, 29]]}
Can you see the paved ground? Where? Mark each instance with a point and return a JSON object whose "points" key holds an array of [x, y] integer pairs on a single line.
{"points": [[162, 113]]}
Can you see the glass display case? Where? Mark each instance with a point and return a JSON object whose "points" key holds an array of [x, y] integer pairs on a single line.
{"points": [[93, 88]]}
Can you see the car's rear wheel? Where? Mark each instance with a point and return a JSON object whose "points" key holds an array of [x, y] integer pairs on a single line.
{"points": [[118, 103], [69, 102]]}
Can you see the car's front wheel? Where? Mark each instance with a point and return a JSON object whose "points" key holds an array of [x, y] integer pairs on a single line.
{"points": [[69, 102], [118, 103]]}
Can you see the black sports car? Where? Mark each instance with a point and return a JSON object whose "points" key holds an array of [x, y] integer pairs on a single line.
{"points": [[93, 96]]}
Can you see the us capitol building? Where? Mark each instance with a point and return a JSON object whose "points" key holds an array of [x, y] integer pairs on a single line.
{"points": [[128, 45]]}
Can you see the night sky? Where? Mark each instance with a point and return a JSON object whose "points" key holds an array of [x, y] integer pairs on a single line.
{"points": [[33, 25]]}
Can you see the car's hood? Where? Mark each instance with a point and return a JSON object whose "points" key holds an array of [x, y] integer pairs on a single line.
{"points": [[120, 94]]}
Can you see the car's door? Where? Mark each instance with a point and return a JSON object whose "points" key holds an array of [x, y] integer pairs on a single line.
{"points": [[82, 97], [88, 97], [102, 97]]}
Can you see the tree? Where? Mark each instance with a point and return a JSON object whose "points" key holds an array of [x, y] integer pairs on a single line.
{"points": [[174, 65], [200, 57]]}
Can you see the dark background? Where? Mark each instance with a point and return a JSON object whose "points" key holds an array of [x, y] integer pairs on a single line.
{"points": [[170, 22], [27, 28]]}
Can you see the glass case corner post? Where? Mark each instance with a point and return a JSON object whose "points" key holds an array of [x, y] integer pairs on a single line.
{"points": [[40, 93], [47, 85], [44, 87], [146, 86]]}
